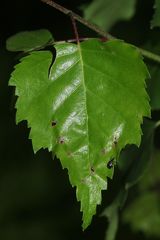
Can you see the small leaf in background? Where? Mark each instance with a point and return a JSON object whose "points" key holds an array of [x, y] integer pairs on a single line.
{"points": [[28, 40], [154, 86], [105, 13], [86, 109], [143, 213], [151, 179], [156, 17], [112, 214], [134, 161]]}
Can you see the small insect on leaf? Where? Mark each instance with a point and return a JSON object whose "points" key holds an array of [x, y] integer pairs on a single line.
{"points": [[110, 164]]}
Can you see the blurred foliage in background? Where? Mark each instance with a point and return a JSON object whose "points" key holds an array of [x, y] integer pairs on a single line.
{"points": [[37, 201]]}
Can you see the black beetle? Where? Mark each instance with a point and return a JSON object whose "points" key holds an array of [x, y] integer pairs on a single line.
{"points": [[110, 164]]}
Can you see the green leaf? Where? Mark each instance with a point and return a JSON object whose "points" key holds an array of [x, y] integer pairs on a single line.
{"points": [[156, 18], [105, 13], [112, 214], [151, 178], [28, 40], [134, 161], [154, 86], [85, 109], [143, 214]]}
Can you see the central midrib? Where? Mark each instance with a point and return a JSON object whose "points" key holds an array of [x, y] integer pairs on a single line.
{"points": [[85, 98]]}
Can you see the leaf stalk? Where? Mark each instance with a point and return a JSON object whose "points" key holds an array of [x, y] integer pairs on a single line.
{"points": [[152, 56]]}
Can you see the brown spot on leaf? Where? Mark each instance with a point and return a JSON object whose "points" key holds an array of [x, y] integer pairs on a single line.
{"points": [[69, 154], [115, 141], [92, 169], [103, 151], [83, 180], [61, 140], [54, 123]]}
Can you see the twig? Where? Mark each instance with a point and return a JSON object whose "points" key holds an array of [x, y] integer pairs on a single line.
{"points": [[149, 55], [78, 18], [145, 53], [74, 27]]}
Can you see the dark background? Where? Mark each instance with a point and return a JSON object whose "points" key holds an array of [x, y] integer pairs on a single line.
{"points": [[36, 199]]}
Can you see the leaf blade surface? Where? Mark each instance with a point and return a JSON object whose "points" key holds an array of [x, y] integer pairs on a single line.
{"points": [[105, 13], [84, 109], [156, 17], [28, 40]]}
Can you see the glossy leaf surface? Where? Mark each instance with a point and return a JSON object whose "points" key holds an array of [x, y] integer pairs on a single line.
{"points": [[85, 108], [105, 13], [28, 40], [133, 163]]}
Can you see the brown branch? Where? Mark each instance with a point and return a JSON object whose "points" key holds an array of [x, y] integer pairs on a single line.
{"points": [[74, 27], [145, 53], [69, 12]]}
